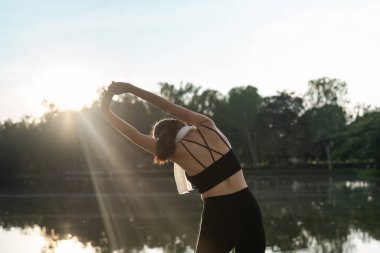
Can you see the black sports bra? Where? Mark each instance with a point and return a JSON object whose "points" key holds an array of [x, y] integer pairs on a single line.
{"points": [[218, 171]]}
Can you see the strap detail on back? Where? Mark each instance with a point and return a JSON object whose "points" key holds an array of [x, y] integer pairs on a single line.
{"points": [[193, 155], [217, 134], [203, 145], [200, 144], [208, 147]]}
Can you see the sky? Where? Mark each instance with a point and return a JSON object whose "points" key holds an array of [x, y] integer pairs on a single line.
{"points": [[65, 51]]}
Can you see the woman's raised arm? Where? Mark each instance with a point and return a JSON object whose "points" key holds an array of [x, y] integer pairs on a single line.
{"points": [[177, 111], [143, 141]]}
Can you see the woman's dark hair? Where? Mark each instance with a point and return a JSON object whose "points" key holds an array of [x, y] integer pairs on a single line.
{"points": [[165, 132]]}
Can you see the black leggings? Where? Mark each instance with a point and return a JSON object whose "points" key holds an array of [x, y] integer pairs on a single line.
{"points": [[231, 221]]}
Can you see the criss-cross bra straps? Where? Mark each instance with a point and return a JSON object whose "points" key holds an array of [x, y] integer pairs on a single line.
{"points": [[203, 145]]}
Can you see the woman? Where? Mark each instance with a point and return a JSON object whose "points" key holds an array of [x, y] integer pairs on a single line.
{"points": [[231, 217]]}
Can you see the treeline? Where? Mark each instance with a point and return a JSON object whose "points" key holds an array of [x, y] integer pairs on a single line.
{"points": [[286, 130], [280, 131]]}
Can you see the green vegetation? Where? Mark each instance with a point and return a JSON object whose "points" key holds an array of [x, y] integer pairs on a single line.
{"points": [[280, 131]]}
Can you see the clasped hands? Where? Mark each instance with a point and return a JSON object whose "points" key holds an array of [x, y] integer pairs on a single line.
{"points": [[115, 88]]}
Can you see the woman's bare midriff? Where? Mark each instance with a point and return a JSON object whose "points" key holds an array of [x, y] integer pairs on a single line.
{"points": [[233, 184]]}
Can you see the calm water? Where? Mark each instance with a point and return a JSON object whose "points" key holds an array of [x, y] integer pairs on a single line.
{"points": [[302, 213]]}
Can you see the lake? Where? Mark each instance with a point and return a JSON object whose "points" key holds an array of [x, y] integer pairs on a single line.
{"points": [[304, 213]]}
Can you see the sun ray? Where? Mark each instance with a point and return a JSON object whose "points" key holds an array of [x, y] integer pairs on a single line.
{"points": [[98, 151]]}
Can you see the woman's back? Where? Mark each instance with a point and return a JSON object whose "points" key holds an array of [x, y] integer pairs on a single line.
{"points": [[200, 149]]}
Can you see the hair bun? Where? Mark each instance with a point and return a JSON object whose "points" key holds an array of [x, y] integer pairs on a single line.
{"points": [[165, 132], [165, 145]]}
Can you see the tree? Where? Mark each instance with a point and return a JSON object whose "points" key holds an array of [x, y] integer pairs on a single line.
{"points": [[326, 91], [360, 140], [243, 105], [278, 128], [183, 95], [318, 125], [325, 100], [190, 96]]}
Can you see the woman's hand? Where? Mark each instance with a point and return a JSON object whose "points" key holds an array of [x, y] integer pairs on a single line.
{"points": [[118, 88], [106, 100]]}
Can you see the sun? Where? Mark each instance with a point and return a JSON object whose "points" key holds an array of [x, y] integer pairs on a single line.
{"points": [[67, 86]]}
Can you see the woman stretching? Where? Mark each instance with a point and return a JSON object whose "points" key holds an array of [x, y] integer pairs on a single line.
{"points": [[231, 217]]}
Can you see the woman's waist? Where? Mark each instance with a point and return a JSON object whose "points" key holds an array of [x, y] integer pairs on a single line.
{"points": [[231, 185]]}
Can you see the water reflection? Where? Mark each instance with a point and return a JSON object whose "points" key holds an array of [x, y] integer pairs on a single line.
{"points": [[36, 239], [318, 214], [356, 184]]}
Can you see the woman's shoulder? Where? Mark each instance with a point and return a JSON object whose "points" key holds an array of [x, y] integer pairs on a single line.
{"points": [[208, 123]]}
